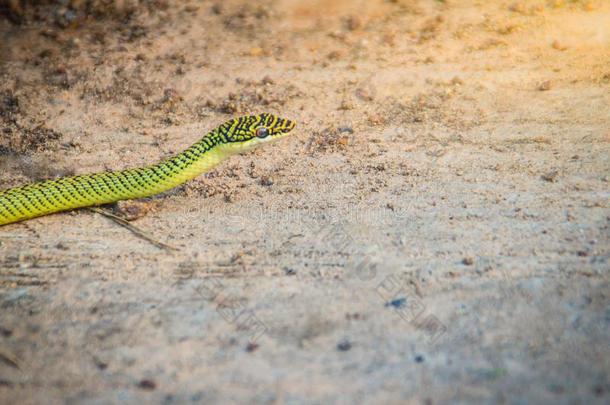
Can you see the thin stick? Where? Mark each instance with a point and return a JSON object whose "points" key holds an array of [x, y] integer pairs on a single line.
{"points": [[134, 229], [9, 359]]}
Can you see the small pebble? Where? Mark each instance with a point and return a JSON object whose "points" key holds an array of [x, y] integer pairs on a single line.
{"points": [[346, 105], [268, 80], [396, 303], [559, 46], [252, 347], [545, 85], [344, 346], [266, 181], [353, 23], [468, 261], [456, 81], [132, 210], [148, 385], [348, 130], [343, 141], [217, 9], [335, 55], [376, 119], [365, 94], [551, 176]]}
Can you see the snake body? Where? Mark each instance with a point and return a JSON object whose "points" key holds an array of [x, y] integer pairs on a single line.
{"points": [[232, 137]]}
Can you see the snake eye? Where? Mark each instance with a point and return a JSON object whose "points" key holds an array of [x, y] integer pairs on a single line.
{"points": [[262, 132]]}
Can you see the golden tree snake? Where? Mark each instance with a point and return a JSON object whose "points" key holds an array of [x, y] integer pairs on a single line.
{"points": [[47, 197]]}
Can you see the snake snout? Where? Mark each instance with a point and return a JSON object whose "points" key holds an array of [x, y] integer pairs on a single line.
{"points": [[287, 126]]}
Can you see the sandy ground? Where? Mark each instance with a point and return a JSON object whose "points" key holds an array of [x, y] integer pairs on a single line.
{"points": [[436, 230]]}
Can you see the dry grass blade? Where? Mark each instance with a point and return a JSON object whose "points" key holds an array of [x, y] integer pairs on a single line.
{"points": [[9, 359], [134, 229]]}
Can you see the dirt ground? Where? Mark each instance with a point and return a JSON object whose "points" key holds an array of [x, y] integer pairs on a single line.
{"points": [[436, 230]]}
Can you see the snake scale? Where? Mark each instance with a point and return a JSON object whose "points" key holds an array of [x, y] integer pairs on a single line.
{"points": [[47, 197]]}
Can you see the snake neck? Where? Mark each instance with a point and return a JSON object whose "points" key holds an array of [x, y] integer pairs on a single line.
{"points": [[198, 158]]}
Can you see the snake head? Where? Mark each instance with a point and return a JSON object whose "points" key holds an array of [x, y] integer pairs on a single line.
{"points": [[249, 131]]}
